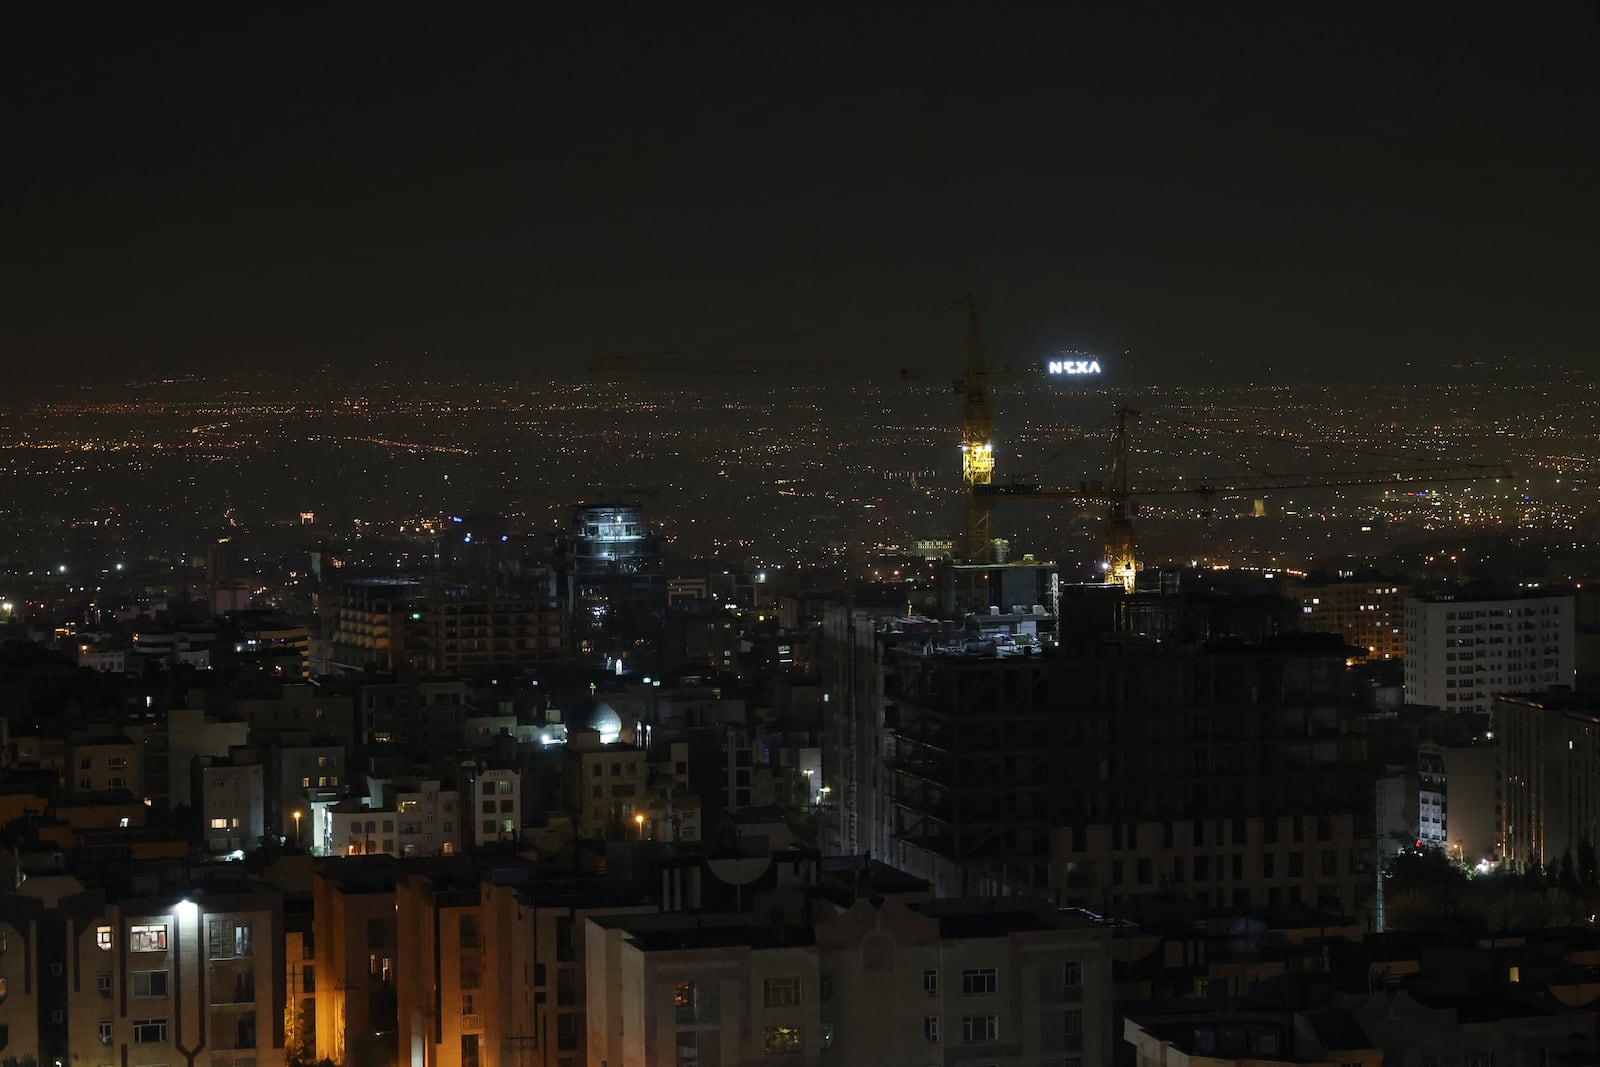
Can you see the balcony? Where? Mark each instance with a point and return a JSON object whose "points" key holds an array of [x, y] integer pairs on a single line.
{"points": [[472, 1022]]}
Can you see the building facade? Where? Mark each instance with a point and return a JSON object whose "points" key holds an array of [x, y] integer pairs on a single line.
{"points": [[232, 805], [1550, 767], [1460, 652], [1369, 613], [142, 981], [991, 772], [103, 764], [954, 982]]}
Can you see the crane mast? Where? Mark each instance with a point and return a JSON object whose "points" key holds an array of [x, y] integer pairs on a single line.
{"points": [[977, 448], [1122, 565]]}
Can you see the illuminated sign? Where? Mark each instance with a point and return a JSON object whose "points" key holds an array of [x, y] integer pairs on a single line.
{"points": [[1073, 366]]}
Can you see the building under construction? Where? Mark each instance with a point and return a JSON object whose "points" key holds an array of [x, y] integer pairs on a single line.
{"points": [[1115, 769]]}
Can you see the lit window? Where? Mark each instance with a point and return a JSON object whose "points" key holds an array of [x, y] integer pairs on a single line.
{"points": [[148, 939], [781, 1041], [230, 939], [102, 938]]}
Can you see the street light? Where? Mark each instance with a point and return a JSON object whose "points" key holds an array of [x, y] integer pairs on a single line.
{"points": [[638, 820], [297, 843]]}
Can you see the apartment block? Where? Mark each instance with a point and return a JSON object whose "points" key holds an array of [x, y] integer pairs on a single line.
{"points": [[1461, 652], [1002, 980], [232, 805], [1006, 981], [103, 764], [671, 988], [413, 714], [145, 982], [470, 627], [1368, 612], [606, 786], [1550, 777], [357, 953], [299, 775], [409, 818], [496, 806], [467, 973]]}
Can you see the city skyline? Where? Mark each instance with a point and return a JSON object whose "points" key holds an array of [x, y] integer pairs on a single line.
{"points": [[1004, 536]]}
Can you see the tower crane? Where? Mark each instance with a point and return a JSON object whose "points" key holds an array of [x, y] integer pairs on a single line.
{"points": [[1120, 493], [977, 448], [977, 436]]}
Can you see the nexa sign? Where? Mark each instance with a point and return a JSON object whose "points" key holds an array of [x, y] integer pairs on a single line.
{"points": [[1073, 366]]}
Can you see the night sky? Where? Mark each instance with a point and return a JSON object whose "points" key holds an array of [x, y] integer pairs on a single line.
{"points": [[1299, 190]]}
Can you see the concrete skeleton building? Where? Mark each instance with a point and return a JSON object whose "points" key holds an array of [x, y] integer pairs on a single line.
{"points": [[1100, 772]]}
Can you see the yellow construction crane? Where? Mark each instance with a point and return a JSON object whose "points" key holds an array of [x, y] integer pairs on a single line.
{"points": [[1120, 494], [977, 446]]}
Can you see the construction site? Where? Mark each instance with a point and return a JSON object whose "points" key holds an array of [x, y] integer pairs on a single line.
{"points": [[1109, 743]]}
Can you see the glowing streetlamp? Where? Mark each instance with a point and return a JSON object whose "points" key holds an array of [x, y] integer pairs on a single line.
{"points": [[297, 814], [638, 820]]}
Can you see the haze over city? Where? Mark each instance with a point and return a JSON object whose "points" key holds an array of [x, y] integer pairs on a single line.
{"points": [[1221, 195]]}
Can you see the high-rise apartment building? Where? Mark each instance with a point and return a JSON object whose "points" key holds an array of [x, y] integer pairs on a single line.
{"points": [[373, 624], [1550, 778], [472, 627], [1461, 652], [1368, 612]]}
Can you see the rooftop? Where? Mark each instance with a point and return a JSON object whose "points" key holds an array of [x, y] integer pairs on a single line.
{"points": [[676, 931]]}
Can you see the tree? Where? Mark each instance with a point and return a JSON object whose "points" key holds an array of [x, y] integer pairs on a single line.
{"points": [[1586, 863]]}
